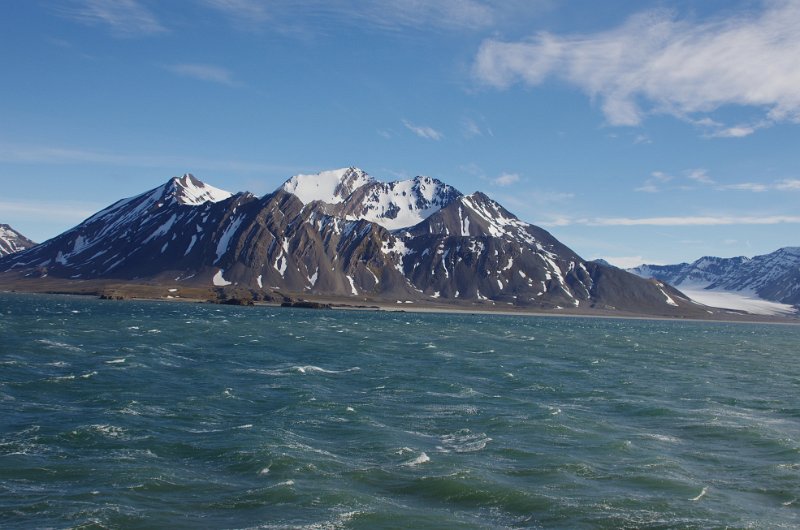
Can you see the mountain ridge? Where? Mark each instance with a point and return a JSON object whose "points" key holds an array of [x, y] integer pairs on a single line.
{"points": [[774, 276], [338, 234]]}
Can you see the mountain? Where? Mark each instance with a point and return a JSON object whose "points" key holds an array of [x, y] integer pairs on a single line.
{"points": [[352, 194], [12, 241], [774, 277], [340, 234]]}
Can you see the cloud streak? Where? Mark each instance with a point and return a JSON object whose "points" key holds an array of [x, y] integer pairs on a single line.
{"points": [[676, 221], [381, 15], [245, 13], [122, 17], [204, 72], [42, 154], [49, 211], [506, 179], [423, 131], [758, 187], [655, 63]]}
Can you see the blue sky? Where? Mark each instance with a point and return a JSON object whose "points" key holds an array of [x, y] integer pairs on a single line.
{"points": [[633, 131]]}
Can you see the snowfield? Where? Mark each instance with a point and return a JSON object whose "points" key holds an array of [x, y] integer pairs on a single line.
{"points": [[738, 300]]}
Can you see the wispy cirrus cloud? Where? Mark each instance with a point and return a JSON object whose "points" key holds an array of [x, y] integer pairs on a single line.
{"points": [[654, 183], [245, 13], [470, 129], [124, 18], [690, 179], [382, 15], [745, 186], [53, 211], [658, 180], [700, 220], [700, 176], [45, 154], [455, 14], [204, 72], [788, 184], [628, 262], [655, 63], [760, 187], [506, 179], [423, 131], [474, 127]]}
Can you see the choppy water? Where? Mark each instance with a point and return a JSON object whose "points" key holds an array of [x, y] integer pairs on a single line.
{"points": [[142, 415]]}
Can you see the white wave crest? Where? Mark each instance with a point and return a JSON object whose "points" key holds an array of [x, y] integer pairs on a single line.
{"points": [[421, 459], [464, 441], [311, 369]]}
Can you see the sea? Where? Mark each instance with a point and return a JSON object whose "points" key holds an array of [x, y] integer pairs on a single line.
{"points": [[135, 414]]}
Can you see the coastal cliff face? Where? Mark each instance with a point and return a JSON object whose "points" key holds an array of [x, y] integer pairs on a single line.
{"points": [[342, 234]]}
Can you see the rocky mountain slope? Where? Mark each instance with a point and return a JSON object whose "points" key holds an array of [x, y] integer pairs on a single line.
{"points": [[341, 234], [12, 241], [774, 276]]}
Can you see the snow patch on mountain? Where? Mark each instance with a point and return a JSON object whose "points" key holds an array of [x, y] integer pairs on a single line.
{"points": [[739, 301], [403, 203], [219, 280], [331, 187], [225, 238]]}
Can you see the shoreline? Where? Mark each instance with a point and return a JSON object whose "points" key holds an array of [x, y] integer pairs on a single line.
{"points": [[343, 304]]}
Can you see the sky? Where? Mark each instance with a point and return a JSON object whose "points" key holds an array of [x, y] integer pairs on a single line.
{"points": [[638, 132]]}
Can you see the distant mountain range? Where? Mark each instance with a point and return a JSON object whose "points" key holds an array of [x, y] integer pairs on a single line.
{"points": [[12, 241], [341, 234], [774, 276]]}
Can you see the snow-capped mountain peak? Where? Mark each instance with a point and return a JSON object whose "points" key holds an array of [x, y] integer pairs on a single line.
{"points": [[189, 190], [400, 204], [353, 194], [12, 241], [331, 187]]}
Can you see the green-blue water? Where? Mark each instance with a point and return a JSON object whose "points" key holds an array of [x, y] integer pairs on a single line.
{"points": [[160, 415]]}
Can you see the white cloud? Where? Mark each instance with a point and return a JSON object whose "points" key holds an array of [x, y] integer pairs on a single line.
{"points": [[660, 176], [657, 179], [758, 187], [48, 210], [122, 17], [247, 14], [550, 197], [681, 221], [505, 179], [43, 154], [746, 186], [628, 262], [653, 184], [470, 129], [392, 15], [656, 63], [455, 14], [699, 175], [788, 184], [423, 131], [734, 132], [204, 72], [250, 9]]}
